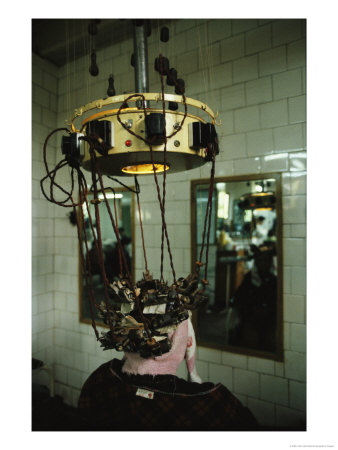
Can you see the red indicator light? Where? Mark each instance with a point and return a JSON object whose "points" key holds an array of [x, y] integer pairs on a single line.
{"points": [[128, 143]]}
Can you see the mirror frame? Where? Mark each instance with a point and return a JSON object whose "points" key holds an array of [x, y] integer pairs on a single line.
{"points": [[278, 355], [80, 273]]}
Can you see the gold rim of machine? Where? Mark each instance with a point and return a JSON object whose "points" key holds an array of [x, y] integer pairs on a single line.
{"points": [[98, 104], [113, 112]]}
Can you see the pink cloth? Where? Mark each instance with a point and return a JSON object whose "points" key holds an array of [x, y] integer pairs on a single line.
{"points": [[190, 353], [183, 345]]}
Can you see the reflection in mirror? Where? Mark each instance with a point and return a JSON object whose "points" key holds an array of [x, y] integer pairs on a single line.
{"points": [[121, 204], [243, 313]]}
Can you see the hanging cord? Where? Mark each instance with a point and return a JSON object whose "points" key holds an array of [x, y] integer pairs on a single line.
{"points": [[148, 142], [207, 63], [211, 68], [162, 203], [95, 169], [69, 198], [96, 234], [207, 219], [51, 174], [87, 55], [99, 253], [212, 176], [121, 273], [164, 173], [200, 51], [117, 229], [137, 191], [67, 66], [164, 225], [96, 201]]}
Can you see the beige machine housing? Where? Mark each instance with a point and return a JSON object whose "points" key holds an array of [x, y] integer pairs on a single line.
{"points": [[130, 155]]}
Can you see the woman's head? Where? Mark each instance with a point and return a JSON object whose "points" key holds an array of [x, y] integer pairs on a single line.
{"points": [[183, 346]]}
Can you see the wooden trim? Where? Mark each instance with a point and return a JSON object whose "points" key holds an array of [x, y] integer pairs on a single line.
{"points": [[193, 239]]}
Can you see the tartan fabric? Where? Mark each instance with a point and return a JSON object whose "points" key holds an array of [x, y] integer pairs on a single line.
{"points": [[108, 402]]}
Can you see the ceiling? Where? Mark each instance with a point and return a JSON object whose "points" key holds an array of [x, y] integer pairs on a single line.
{"points": [[57, 40]]}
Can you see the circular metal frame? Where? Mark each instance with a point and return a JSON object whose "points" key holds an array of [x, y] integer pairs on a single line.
{"points": [[148, 96]]}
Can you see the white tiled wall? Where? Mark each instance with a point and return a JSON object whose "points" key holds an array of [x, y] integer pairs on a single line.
{"points": [[44, 116], [252, 72]]}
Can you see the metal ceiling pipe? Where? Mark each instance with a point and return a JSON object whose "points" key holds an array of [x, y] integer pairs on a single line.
{"points": [[141, 57]]}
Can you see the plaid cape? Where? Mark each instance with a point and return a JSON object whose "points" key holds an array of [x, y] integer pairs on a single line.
{"points": [[111, 400]]}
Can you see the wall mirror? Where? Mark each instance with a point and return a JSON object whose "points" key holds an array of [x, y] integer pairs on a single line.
{"points": [[123, 200], [244, 309]]}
